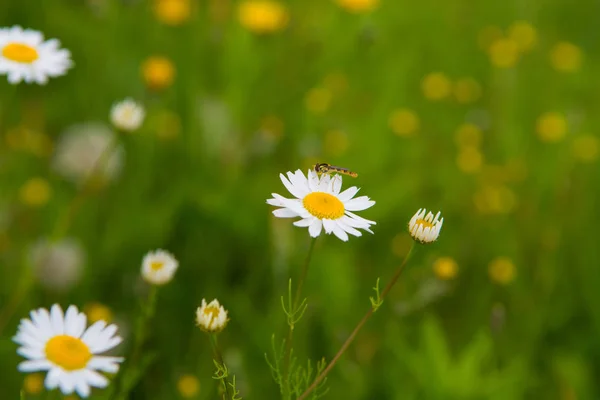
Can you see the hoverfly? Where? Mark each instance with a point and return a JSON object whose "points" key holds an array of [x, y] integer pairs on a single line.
{"points": [[324, 168]]}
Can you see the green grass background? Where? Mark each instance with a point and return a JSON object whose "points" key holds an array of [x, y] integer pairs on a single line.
{"points": [[202, 196]]}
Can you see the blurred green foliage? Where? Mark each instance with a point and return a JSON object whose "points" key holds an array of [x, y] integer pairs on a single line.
{"points": [[244, 107]]}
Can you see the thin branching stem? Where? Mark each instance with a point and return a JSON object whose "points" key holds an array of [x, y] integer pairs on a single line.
{"points": [[358, 327], [219, 359], [290, 336]]}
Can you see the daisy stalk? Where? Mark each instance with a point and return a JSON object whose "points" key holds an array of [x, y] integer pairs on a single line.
{"points": [[134, 366], [220, 364], [293, 318], [358, 327], [424, 228]]}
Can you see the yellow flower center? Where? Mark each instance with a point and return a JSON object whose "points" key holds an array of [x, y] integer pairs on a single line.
{"points": [[68, 352], [424, 223], [156, 265], [212, 312], [20, 52], [324, 205]]}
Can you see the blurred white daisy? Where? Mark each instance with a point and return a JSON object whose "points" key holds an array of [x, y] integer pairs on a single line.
{"points": [[25, 56], [211, 317], [158, 267], [321, 205], [425, 228], [57, 265], [60, 344], [80, 148], [127, 115]]}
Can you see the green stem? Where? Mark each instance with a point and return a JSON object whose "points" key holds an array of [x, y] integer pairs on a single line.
{"points": [[290, 336], [146, 314], [219, 357], [358, 327]]}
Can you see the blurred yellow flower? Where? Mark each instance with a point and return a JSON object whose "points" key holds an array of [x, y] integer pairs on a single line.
{"points": [[33, 383], [35, 192], [358, 6], [318, 100], [489, 35], [445, 268], [586, 148], [188, 386], [495, 199], [404, 122], [524, 34], [468, 135], [158, 72], [32, 141], [436, 86], [467, 90], [263, 16], [504, 53], [172, 12], [335, 143], [97, 312], [566, 57], [469, 159], [502, 270], [551, 127]]}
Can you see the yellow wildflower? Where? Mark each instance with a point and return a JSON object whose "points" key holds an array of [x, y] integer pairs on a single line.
{"points": [[551, 127], [502, 270], [188, 386], [33, 383], [504, 53], [318, 100], [358, 6], [586, 148], [98, 312], [524, 34], [495, 199], [445, 268], [263, 16], [35, 192], [468, 135], [172, 12], [469, 159], [566, 57], [404, 122], [158, 72], [436, 86]]}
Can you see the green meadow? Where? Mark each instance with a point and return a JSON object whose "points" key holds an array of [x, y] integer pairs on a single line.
{"points": [[486, 111]]}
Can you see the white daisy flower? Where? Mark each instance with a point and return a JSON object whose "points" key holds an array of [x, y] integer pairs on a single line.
{"points": [[321, 205], [25, 56], [158, 267], [425, 228], [211, 317], [60, 344], [127, 115]]}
